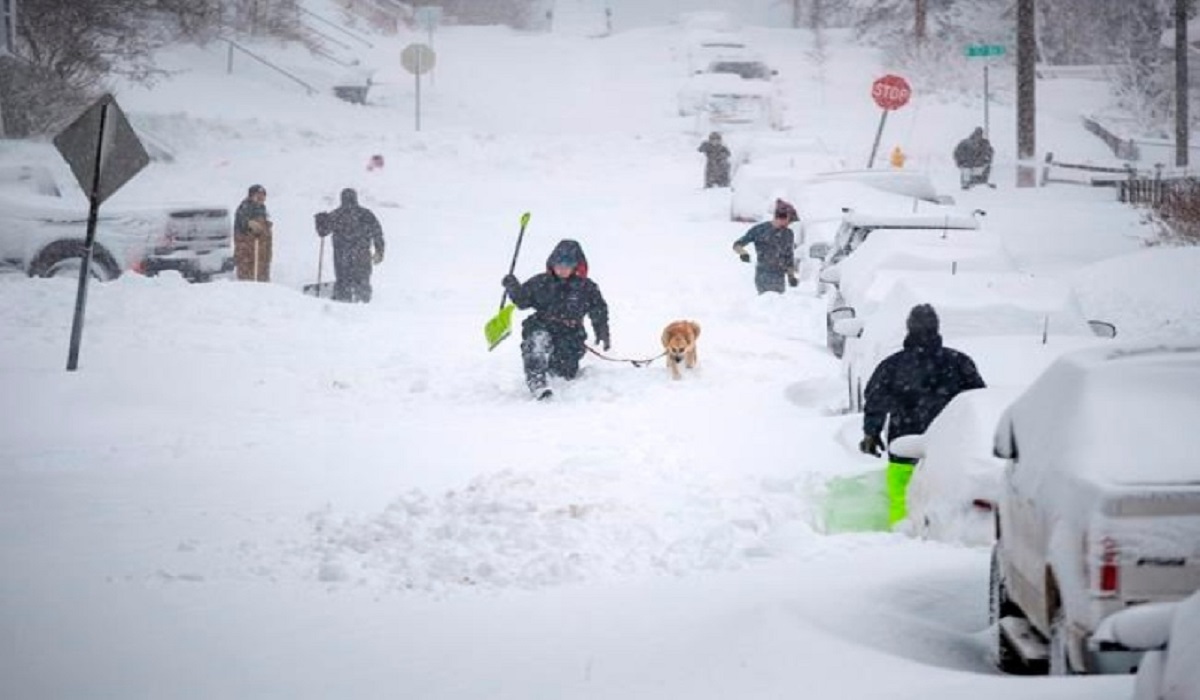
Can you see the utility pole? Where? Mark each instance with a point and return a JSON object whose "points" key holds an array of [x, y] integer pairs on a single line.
{"points": [[8, 43], [919, 28], [1026, 95], [1181, 84]]}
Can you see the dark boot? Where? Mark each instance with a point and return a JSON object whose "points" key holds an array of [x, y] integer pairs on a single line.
{"points": [[536, 351]]}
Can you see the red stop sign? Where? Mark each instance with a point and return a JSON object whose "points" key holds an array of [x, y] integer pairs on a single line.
{"points": [[891, 92]]}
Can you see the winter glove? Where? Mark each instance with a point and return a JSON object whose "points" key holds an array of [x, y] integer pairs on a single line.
{"points": [[871, 445], [745, 257], [510, 282], [378, 257], [792, 281], [603, 342]]}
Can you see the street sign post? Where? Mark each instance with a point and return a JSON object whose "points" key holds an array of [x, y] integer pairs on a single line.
{"points": [[891, 92], [985, 51], [104, 153], [429, 18], [418, 59]]}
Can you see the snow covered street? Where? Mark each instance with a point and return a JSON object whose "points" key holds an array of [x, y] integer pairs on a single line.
{"points": [[248, 492]]}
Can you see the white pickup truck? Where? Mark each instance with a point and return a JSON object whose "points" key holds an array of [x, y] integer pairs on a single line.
{"points": [[43, 231], [1100, 506]]}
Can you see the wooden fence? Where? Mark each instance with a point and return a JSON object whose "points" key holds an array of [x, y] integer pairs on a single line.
{"points": [[1157, 191]]}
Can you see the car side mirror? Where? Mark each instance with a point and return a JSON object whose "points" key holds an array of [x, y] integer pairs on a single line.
{"points": [[831, 275], [818, 250], [908, 446], [1103, 329], [1005, 444], [848, 327]]}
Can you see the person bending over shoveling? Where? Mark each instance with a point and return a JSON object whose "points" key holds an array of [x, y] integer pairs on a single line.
{"points": [[553, 338]]}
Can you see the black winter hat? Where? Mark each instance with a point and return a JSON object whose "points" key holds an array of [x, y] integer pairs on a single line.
{"points": [[256, 189], [922, 319]]}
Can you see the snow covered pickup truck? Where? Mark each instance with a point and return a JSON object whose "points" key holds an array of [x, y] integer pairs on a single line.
{"points": [[1100, 504], [43, 230]]}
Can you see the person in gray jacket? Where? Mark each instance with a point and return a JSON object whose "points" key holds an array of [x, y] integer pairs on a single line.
{"points": [[775, 244]]}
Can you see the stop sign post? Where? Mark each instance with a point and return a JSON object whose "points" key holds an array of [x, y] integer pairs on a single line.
{"points": [[891, 92]]}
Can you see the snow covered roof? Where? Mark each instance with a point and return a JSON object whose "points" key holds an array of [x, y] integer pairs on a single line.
{"points": [[1118, 413]]}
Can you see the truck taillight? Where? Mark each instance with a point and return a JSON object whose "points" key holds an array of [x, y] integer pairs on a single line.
{"points": [[1109, 578]]}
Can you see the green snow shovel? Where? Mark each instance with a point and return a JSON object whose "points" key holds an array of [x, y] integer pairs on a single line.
{"points": [[499, 326], [856, 503]]}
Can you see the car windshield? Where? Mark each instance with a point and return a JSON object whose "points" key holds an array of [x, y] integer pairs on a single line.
{"points": [[750, 70]]}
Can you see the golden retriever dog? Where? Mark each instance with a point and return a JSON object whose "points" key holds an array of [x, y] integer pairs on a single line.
{"points": [[679, 345]]}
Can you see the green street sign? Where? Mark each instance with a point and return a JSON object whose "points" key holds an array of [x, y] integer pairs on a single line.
{"points": [[974, 50]]}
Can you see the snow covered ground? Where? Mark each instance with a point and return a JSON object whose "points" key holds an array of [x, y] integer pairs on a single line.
{"points": [[247, 492]]}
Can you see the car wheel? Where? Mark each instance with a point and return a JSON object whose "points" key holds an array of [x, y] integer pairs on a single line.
{"points": [[1060, 657], [64, 259], [1005, 656]]}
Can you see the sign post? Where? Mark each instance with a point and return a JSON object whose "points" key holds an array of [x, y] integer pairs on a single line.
{"points": [[418, 59], [104, 153], [985, 51], [890, 92]]}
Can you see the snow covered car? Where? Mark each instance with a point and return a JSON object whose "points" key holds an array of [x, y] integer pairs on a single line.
{"points": [[1101, 504], [858, 283], [908, 183], [697, 92], [1168, 634], [43, 232], [857, 226], [769, 168], [1011, 324], [956, 484], [705, 47]]}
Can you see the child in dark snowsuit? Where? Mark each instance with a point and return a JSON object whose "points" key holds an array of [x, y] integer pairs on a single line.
{"points": [[553, 336]]}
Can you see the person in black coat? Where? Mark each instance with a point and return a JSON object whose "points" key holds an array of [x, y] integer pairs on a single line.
{"points": [[355, 231], [973, 156], [907, 391], [553, 337], [716, 161]]}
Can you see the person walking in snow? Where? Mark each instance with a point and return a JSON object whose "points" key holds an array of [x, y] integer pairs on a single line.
{"points": [[252, 237], [716, 161], [775, 245], [973, 156], [553, 337], [907, 391], [355, 232]]}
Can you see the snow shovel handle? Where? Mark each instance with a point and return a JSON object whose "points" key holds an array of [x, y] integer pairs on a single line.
{"points": [[513, 265], [320, 264]]}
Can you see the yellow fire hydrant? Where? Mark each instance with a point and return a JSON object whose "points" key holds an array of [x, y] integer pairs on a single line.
{"points": [[897, 158]]}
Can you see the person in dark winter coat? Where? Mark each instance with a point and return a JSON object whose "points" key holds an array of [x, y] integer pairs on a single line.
{"points": [[973, 156], [716, 161], [775, 244], [355, 231], [252, 237], [553, 337], [908, 390]]}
